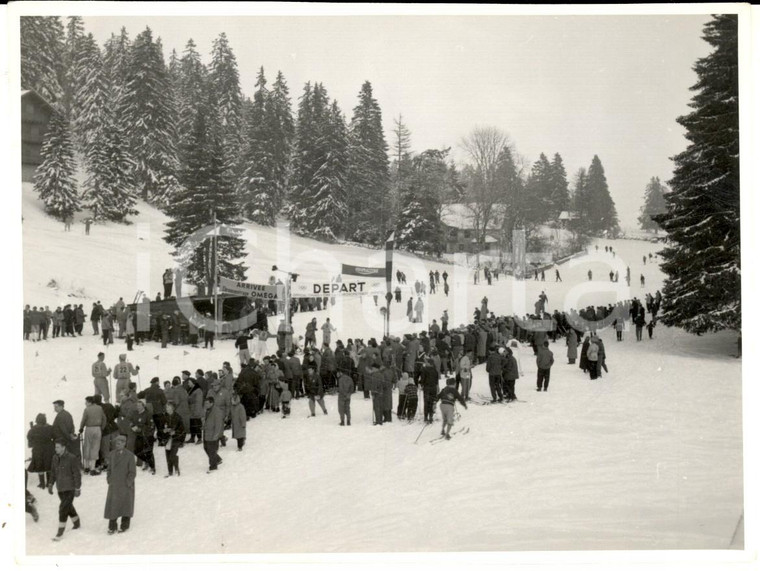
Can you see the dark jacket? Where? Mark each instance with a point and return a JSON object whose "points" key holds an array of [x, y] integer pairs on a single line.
{"points": [[63, 424], [429, 378], [155, 397], [509, 370], [214, 424], [65, 472], [494, 363], [449, 395], [41, 438]]}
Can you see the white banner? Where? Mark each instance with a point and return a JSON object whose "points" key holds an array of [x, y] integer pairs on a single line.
{"points": [[337, 288], [254, 291]]}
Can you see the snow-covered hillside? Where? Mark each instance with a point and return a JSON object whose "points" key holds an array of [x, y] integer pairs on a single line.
{"points": [[648, 457]]}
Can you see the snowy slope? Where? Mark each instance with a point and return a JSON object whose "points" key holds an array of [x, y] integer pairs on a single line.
{"points": [[649, 457]]}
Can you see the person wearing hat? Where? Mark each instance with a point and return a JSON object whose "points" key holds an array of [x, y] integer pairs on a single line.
{"points": [[100, 374], [123, 372], [168, 283], [429, 377], [494, 369], [63, 426], [142, 428], [120, 499], [544, 362], [509, 374], [67, 478], [155, 398]]}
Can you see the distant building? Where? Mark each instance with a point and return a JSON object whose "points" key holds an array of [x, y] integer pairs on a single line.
{"points": [[35, 117], [459, 231]]}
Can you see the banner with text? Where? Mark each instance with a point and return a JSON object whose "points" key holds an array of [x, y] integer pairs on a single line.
{"points": [[378, 273], [255, 291], [337, 288]]}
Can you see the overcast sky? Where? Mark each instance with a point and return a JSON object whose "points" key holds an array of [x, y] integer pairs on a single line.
{"points": [[577, 85]]}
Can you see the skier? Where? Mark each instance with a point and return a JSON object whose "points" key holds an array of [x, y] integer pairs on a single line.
{"points": [[557, 277], [464, 374], [100, 374], [445, 276], [123, 372], [327, 330], [448, 396]]}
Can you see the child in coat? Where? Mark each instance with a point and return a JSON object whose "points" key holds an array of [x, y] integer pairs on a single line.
{"points": [[285, 397]]}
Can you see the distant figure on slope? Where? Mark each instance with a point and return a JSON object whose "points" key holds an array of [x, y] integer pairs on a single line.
{"points": [[590, 275], [557, 277], [643, 280]]}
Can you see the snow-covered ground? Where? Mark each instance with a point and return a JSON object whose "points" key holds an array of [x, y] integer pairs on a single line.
{"points": [[648, 457]]}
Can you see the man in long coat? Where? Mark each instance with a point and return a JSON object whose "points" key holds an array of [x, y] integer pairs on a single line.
{"points": [[120, 501]]}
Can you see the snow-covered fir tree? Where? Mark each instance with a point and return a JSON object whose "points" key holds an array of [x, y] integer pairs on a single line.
{"points": [[598, 207], [115, 70], [227, 98], [42, 45], [148, 107], [654, 204], [257, 186], [55, 179], [419, 225], [318, 206], [539, 186], [559, 190], [205, 192], [368, 172], [702, 259], [401, 150], [191, 89], [280, 117], [71, 54]]}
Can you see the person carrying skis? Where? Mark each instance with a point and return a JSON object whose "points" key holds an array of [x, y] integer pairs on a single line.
{"points": [[447, 397]]}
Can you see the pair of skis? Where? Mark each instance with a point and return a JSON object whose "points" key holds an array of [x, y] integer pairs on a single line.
{"points": [[464, 430]]}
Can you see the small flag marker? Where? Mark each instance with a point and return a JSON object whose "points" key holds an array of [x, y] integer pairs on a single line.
{"points": [[63, 378]]}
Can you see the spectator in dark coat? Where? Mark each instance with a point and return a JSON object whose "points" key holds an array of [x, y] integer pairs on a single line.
{"points": [[120, 500], [429, 379], [41, 439], [142, 427], [493, 368], [212, 432], [238, 419], [314, 390], [63, 425], [174, 429], [345, 390], [155, 398], [544, 362]]}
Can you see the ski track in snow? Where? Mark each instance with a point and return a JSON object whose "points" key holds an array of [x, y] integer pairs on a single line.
{"points": [[648, 457]]}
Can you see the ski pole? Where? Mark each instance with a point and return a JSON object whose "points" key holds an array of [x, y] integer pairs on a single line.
{"points": [[424, 426]]}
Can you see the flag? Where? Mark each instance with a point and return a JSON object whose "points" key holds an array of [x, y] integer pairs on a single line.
{"points": [[63, 378], [156, 357], [361, 271], [185, 353], [36, 353]]}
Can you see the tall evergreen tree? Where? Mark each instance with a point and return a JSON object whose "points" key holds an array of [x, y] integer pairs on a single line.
{"points": [[204, 192], [258, 185], [520, 208], [318, 185], [71, 55], [400, 153], [600, 208], [191, 89], [227, 101], [579, 200], [148, 107], [115, 70], [702, 259], [538, 205], [55, 178], [560, 196], [280, 117], [368, 174], [42, 45], [419, 225], [654, 204]]}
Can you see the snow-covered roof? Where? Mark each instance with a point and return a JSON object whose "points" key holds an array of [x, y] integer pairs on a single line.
{"points": [[461, 215], [32, 93], [568, 215]]}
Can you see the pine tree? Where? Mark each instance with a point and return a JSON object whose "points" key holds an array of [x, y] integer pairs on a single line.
{"points": [[368, 175], [115, 71], [318, 184], [191, 89], [55, 178], [654, 204], [601, 215], [537, 206], [227, 101], [42, 44], [517, 204], [419, 225], [280, 117], [258, 184], [148, 107], [559, 195], [71, 54], [581, 223], [702, 259], [203, 193], [400, 152], [91, 95]]}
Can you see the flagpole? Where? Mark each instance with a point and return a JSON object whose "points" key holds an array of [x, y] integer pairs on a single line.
{"points": [[216, 282]]}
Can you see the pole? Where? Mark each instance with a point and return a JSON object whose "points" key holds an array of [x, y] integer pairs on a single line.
{"points": [[216, 282], [287, 313]]}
